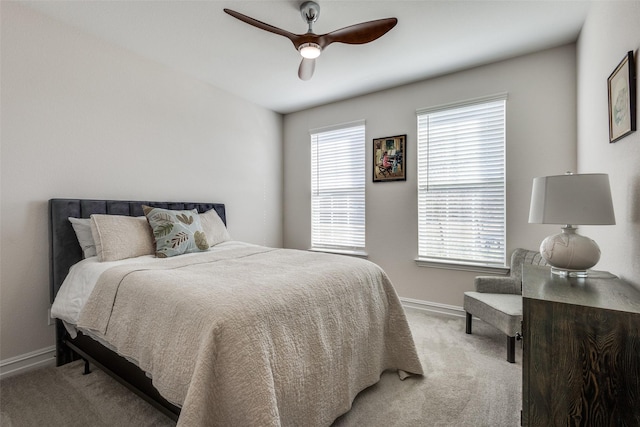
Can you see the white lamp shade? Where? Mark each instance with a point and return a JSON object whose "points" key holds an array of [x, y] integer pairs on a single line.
{"points": [[581, 199]]}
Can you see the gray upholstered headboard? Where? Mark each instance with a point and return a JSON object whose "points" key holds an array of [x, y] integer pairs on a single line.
{"points": [[64, 250]]}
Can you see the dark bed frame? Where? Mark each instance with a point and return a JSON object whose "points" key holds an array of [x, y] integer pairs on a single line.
{"points": [[64, 252]]}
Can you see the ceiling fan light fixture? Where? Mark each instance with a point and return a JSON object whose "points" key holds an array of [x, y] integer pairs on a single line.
{"points": [[309, 50]]}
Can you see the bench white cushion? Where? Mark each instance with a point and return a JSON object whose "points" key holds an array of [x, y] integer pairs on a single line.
{"points": [[503, 311]]}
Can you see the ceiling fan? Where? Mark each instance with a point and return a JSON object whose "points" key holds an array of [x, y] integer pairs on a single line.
{"points": [[310, 45]]}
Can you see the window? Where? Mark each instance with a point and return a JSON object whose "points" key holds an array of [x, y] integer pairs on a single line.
{"points": [[337, 188], [461, 183]]}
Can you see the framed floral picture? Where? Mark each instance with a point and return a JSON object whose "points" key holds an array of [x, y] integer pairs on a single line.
{"points": [[622, 99], [389, 158]]}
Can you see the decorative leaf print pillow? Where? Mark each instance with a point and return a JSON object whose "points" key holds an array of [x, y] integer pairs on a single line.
{"points": [[176, 232]]}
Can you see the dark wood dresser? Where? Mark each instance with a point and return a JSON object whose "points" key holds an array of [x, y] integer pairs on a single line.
{"points": [[581, 357]]}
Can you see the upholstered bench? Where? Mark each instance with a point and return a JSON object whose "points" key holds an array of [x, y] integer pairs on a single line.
{"points": [[497, 300]]}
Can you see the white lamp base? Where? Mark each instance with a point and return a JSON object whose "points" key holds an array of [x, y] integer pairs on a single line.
{"points": [[569, 253]]}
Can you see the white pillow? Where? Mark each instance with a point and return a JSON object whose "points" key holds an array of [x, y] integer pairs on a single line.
{"points": [[214, 228], [119, 237], [82, 227]]}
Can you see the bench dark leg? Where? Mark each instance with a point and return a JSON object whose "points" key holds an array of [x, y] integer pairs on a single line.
{"points": [[468, 328], [87, 369], [511, 349]]}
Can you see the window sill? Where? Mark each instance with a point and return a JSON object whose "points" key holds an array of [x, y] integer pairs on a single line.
{"points": [[452, 265], [360, 254]]}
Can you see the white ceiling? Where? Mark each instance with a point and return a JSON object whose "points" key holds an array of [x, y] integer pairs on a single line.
{"points": [[432, 38]]}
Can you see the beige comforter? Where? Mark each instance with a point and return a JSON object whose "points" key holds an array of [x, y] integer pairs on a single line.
{"points": [[255, 336]]}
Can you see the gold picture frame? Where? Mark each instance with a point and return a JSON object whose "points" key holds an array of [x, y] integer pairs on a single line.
{"points": [[621, 87], [389, 158]]}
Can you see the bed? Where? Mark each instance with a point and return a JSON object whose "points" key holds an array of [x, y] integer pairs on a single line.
{"points": [[236, 334]]}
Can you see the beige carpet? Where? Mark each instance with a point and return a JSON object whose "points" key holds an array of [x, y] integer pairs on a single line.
{"points": [[468, 382]]}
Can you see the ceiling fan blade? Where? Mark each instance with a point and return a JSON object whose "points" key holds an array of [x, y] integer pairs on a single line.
{"points": [[263, 26], [307, 66], [364, 32]]}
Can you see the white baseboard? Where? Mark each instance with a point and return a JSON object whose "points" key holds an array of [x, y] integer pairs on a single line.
{"points": [[433, 307], [26, 362]]}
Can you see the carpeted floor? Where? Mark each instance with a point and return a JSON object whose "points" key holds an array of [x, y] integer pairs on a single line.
{"points": [[468, 382]]}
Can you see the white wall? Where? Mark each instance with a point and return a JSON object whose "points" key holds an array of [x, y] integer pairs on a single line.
{"points": [[541, 140], [82, 118], [610, 31]]}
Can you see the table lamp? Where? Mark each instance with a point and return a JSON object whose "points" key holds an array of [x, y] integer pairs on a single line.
{"points": [[570, 199]]}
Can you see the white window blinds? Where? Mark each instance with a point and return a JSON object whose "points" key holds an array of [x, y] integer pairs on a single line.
{"points": [[338, 188], [461, 183]]}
